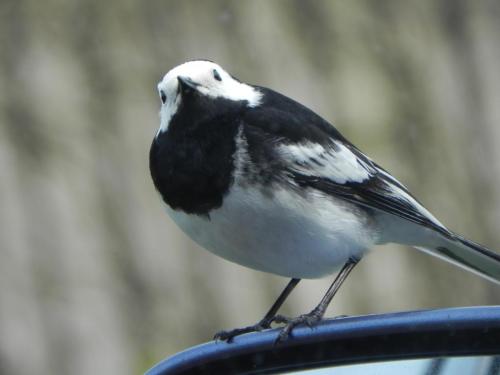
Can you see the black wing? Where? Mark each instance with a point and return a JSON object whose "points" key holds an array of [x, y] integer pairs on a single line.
{"points": [[311, 152]]}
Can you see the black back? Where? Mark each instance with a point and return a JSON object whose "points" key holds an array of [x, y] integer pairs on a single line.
{"points": [[290, 121]]}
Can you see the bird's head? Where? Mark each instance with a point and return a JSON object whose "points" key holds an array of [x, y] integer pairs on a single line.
{"points": [[200, 79]]}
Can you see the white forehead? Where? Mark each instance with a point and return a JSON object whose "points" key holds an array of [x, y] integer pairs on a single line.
{"points": [[202, 73], [193, 69]]}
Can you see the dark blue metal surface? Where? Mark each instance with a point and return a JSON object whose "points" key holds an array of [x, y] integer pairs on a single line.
{"points": [[455, 331]]}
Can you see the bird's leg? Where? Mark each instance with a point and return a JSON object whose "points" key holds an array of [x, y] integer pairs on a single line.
{"points": [[265, 322], [317, 313]]}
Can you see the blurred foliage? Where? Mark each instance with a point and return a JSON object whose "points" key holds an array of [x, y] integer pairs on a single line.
{"points": [[94, 277]]}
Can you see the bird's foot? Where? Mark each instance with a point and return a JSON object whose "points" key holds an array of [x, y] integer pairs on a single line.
{"points": [[310, 319], [229, 335]]}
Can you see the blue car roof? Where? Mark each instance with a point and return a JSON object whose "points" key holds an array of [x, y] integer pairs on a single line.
{"points": [[358, 339]]}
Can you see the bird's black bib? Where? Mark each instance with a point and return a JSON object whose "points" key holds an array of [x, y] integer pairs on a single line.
{"points": [[192, 162]]}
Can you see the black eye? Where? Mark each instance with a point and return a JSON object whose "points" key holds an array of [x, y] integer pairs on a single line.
{"points": [[217, 75], [163, 96]]}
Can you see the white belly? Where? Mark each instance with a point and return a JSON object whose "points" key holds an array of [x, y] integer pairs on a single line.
{"points": [[285, 234]]}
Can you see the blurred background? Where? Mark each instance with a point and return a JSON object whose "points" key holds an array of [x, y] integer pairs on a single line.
{"points": [[96, 279]]}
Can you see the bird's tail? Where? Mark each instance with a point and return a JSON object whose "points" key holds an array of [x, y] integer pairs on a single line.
{"points": [[467, 254]]}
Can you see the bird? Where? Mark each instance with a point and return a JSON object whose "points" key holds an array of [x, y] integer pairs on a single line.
{"points": [[261, 180]]}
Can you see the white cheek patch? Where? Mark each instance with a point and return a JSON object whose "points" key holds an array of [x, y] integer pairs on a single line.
{"points": [[167, 111], [337, 163]]}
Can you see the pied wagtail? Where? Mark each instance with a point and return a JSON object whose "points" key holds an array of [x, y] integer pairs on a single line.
{"points": [[260, 180]]}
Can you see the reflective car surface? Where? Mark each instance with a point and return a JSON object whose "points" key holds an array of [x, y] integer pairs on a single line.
{"points": [[445, 341]]}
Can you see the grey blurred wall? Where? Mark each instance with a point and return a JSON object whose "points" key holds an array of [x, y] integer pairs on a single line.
{"points": [[95, 278]]}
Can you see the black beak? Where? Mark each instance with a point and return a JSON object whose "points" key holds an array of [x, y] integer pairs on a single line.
{"points": [[186, 83]]}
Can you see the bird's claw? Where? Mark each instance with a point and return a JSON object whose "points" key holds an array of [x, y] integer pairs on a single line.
{"points": [[309, 319]]}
